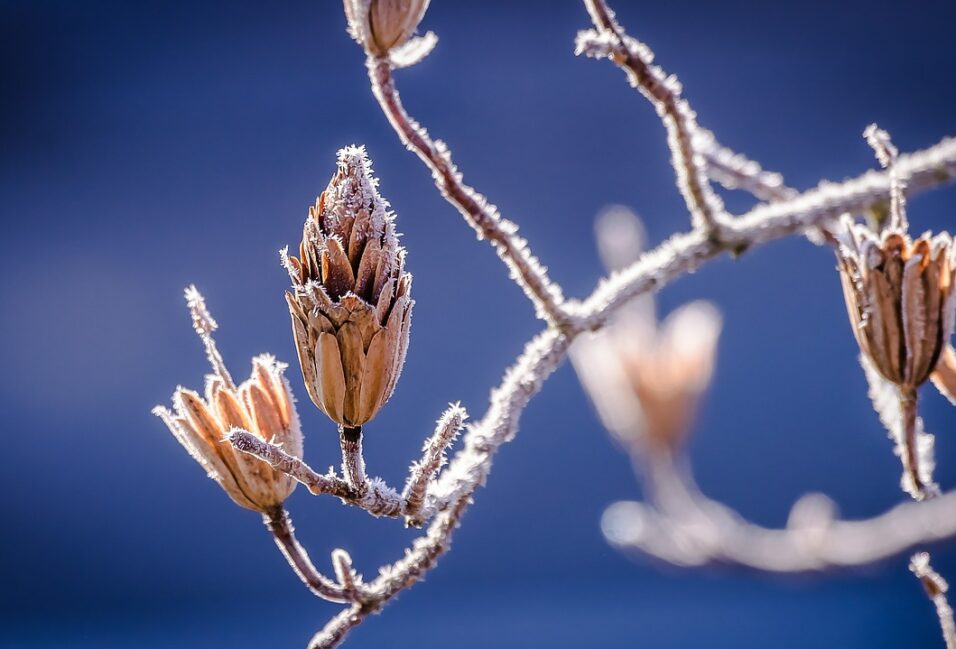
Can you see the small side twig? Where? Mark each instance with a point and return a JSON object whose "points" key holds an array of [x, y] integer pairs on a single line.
{"points": [[378, 499], [434, 457], [735, 171], [936, 588], [205, 326]]}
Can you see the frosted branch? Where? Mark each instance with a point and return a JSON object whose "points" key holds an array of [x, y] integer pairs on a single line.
{"points": [[684, 253], [685, 528], [481, 215], [377, 498], [936, 589], [609, 40], [735, 171]]}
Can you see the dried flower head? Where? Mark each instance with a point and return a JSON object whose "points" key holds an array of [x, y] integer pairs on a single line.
{"points": [[646, 380], [383, 25], [899, 292], [350, 300], [263, 405], [899, 296]]}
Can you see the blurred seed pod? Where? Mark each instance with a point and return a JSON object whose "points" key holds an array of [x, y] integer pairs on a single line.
{"points": [[646, 379]]}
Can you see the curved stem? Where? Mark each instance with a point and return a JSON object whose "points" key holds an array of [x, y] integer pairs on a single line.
{"points": [[478, 212], [280, 524]]}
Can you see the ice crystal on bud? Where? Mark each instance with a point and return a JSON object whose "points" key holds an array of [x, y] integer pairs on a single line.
{"points": [[645, 380], [263, 405], [383, 25], [350, 300]]}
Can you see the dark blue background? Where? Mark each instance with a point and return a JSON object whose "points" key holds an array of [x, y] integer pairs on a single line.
{"points": [[148, 145]]}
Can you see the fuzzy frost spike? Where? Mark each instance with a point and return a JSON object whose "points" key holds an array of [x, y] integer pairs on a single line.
{"points": [[205, 326], [887, 154], [886, 401], [412, 52], [425, 470]]}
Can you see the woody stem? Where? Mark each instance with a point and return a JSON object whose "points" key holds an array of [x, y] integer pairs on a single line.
{"points": [[353, 464], [908, 407], [278, 522]]}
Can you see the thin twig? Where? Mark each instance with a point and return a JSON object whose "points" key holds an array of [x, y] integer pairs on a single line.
{"points": [[394, 578], [378, 500], [422, 473], [279, 523], [735, 171], [481, 215], [290, 465], [936, 588], [910, 455], [205, 325], [664, 92]]}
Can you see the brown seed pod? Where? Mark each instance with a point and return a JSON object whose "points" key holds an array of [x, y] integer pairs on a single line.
{"points": [[263, 405], [383, 25], [350, 300], [899, 296]]}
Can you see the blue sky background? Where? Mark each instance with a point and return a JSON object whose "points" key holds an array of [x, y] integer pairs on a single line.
{"points": [[144, 146]]}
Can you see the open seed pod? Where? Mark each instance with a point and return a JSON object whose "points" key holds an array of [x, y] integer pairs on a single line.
{"points": [[900, 299], [262, 405]]}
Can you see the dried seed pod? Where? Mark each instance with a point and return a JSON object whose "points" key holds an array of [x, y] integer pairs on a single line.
{"points": [[263, 405], [351, 300], [383, 25], [900, 299], [645, 379]]}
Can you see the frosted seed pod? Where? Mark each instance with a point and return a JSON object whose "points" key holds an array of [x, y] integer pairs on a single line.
{"points": [[351, 300], [383, 25], [263, 405]]}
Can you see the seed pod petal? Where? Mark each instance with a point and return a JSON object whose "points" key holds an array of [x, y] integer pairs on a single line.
{"points": [[886, 327], [353, 364], [378, 372], [365, 276], [331, 376], [337, 274]]}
